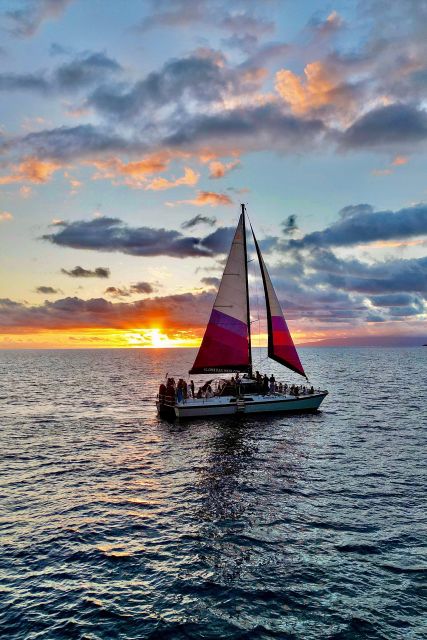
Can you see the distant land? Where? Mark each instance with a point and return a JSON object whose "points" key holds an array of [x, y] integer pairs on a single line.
{"points": [[369, 341]]}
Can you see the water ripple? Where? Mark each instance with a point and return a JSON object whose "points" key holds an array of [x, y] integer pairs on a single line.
{"points": [[118, 525]]}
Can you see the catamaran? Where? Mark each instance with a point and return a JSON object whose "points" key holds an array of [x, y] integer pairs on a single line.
{"points": [[226, 349]]}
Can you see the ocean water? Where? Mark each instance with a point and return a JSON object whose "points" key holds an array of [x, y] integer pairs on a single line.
{"points": [[116, 524]]}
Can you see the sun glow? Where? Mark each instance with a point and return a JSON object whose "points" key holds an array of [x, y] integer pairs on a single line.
{"points": [[154, 338]]}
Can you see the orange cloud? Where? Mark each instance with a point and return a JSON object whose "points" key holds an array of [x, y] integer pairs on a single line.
{"points": [[400, 160], [190, 178], [31, 169], [219, 169], [134, 172], [5, 215], [207, 198], [316, 90]]}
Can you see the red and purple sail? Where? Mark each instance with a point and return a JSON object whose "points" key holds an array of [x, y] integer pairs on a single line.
{"points": [[280, 344]]}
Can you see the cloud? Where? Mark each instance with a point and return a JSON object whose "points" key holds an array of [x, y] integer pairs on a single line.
{"points": [[252, 129], [209, 198], [134, 174], [190, 178], [27, 19], [125, 292], [324, 89], [24, 82], [202, 77], [47, 290], [199, 219], [5, 216], [289, 225], [80, 272], [219, 169], [111, 234], [210, 281], [79, 143], [387, 126], [398, 161], [388, 276], [182, 310], [360, 224], [31, 170], [86, 69]]}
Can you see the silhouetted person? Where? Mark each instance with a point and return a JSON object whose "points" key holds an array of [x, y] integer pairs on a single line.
{"points": [[192, 388], [162, 393], [265, 385]]}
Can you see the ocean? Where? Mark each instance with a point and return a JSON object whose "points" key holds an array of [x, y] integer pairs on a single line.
{"points": [[116, 524]]}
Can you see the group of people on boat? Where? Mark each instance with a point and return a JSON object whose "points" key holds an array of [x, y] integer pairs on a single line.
{"points": [[172, 391]]}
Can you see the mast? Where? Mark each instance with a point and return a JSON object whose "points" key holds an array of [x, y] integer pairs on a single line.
{"points": [[248, 311]]}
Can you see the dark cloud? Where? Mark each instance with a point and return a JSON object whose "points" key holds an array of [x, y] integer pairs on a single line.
{"points": [[111, 234], [47, 290], [202, 76], [184, 310], [23, 82], [142, 287], [80, 272], [289, 225], [252, 129], [230, 15], [388, 276], [210, 281], [360, 224], [219, 241], [80, 142], [199, 219], [125, 292], [30, 14], [387, 126], [84, 70]]}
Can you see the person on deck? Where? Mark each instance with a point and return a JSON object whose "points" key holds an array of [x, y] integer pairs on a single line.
{"points": [[184, 389], [265, 384], [192, 388], [272, 383], [179, 392], [162, 392]]}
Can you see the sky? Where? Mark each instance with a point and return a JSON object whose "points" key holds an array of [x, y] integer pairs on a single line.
{"points": [[131, 132]]}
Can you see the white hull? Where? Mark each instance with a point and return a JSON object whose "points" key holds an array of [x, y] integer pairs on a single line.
{"points": [[254, 404]]}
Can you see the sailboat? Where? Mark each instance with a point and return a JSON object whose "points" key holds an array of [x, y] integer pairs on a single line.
{"points": [[226, 349]]}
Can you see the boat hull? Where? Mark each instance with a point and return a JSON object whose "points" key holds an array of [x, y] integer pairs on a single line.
{"points": [[220, 406]]}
